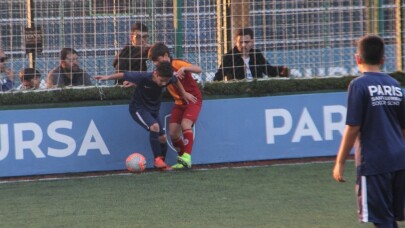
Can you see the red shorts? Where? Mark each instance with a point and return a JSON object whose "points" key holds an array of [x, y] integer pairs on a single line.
{"points": [[189, 111]]}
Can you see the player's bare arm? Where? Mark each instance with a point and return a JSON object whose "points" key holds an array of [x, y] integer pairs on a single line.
{"points": [[186, 96], [349, 137], [192, 69], [127, 84]]}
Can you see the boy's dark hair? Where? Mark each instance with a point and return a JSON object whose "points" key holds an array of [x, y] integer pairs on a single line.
{"points": [[244, 32], [158, 49], [139, 27], [65, 52], [27, 74], [371, 49], [164, 69]]}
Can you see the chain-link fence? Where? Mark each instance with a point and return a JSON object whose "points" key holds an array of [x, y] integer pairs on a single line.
{"points": [[313, 38]]}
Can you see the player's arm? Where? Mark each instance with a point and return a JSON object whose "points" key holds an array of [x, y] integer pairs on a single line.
{"points": [[192, 69], [109, 77], [184, 66], [349, 137], [127, 84], [186, 96]]}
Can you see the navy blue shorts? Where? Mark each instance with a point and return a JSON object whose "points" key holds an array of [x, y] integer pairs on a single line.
{"points": [[146, 119], [381, 198]]}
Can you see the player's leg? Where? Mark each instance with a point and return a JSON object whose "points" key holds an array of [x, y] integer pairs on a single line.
{"points": [[148, 121], [175, 136], [162, 140], [154, 139], [175, 128], [375, 201], [190, 116], [156, 145], [399, 195], [175, 133], [188, 135], [145, 119]]}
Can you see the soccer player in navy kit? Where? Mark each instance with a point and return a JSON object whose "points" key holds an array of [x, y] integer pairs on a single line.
{"points": [[145, 104], [375, 124]]}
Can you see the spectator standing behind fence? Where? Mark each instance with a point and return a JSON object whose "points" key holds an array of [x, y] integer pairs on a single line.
{"points": [[8, 82], [68, 73], [30, 79], [375, 125], [245, 62], [133, 57]]}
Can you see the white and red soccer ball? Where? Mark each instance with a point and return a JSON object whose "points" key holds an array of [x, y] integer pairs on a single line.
{"points": [[135, 163]]}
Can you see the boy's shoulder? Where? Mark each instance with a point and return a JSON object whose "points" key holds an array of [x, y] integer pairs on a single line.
{"points": [[374, 78], [180, 61]]}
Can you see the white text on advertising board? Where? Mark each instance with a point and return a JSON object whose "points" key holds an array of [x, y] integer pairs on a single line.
{"points": [[92, 140], [305, 125]]}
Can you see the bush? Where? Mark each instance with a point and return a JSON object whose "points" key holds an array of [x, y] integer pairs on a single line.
{"points": [[210, 90]]}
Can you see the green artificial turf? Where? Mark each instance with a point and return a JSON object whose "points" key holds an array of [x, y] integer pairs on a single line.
{"points": [[300, 195]]}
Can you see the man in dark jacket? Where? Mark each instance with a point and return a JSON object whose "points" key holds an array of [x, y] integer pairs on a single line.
{"points": [[245, 62], [68, 73], [133, 57]]}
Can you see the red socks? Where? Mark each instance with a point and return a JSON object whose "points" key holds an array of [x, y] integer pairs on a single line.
{"points": [[178, 145], [184, 145], [188, 140]]}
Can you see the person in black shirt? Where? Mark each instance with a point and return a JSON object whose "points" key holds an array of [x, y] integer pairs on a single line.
{"points": [[133, 56], [245, 62], [68, 73]]}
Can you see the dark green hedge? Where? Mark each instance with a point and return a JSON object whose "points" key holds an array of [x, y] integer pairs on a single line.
{"points": [[210, 90]]}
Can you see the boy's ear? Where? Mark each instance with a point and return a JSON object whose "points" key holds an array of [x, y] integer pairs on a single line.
{"points": [[358, 59], [383, 60]]}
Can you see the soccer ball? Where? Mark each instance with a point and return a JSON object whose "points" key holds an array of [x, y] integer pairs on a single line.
{"points": [[135, 163]]}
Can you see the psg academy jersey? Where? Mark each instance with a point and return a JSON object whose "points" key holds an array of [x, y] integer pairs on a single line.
{"points": [[148, 94], [376, 104]]}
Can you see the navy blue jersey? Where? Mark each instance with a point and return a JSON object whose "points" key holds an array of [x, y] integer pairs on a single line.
{"points": [[376, 104], [148, 94]]}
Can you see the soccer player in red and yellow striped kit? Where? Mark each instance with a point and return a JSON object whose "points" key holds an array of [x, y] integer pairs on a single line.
{"points": [[184, 114]]}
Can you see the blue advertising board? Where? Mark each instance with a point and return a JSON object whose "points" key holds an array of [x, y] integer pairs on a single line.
{"points": [[84, 139]]}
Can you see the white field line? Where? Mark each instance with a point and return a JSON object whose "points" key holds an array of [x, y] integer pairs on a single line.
{"points": [[33, 179]]}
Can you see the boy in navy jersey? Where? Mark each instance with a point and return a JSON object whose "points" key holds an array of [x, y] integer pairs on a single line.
{"points": [[145, 104], [375, 124]]}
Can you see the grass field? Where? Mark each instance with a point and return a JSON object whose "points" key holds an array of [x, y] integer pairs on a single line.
{"points": [[299, 195]]}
